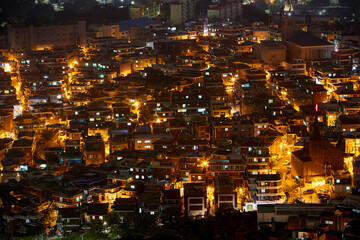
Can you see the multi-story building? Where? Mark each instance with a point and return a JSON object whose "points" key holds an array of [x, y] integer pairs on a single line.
{"points": [[22, 38], [305, 46], [271, 52], [268, 213], [182, 11], [94, 151], [230, 9], [259, 163], [341, 184], [260, 34], [172, 202], [68, 198], [148, 9], [344, 57], [266, 188], [145, 141], [195, 199], [69, 219], [222, 129], [224, 192], [295, 67], [27, 146], [29, 122], [316, 158], [234, 166]]}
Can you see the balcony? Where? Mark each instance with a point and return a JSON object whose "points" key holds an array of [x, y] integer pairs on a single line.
{"points": [[269, 187], [269, 193]]}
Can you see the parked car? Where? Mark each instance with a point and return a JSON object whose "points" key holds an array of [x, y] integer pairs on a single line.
{"points": [[309, 191], [324, 191], [323, 197]]}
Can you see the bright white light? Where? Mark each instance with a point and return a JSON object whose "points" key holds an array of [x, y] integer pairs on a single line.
{"points": [[7, 67]]}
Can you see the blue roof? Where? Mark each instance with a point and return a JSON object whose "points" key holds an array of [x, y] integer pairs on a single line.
{"points": [[136, 22]]}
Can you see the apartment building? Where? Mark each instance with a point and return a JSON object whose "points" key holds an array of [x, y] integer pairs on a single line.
{"points": [[23, 38]]}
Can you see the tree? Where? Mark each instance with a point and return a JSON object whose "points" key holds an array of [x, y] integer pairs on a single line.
{"points": [[252, 14], [117, 227], [262, 5], [320, 3], [46, 140], [146, 114], [165, 234], [271, 166], [96, 231], [201, 6]]}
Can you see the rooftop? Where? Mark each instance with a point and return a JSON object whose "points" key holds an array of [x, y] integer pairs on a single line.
{"points": [[306, 39]]}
